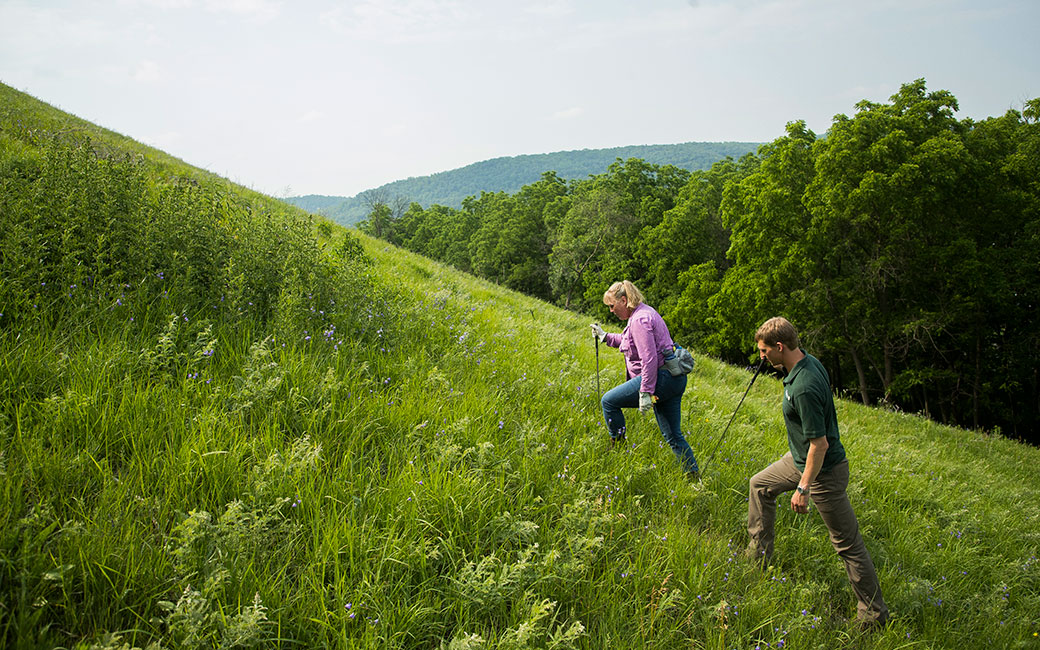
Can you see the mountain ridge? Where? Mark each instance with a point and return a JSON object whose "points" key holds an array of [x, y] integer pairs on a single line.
{"points": [[510, 173]]}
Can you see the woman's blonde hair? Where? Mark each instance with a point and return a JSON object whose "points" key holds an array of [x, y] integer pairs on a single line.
{"points": [[623, 288]]}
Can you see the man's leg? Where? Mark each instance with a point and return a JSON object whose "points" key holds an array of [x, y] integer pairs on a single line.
{"points": [[763, 488], [829, 493]]}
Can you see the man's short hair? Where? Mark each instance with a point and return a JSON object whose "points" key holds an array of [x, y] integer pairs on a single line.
{"points": [[778, 330]]}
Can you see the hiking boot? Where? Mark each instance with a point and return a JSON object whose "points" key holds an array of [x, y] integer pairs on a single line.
{"points": [[869, 625], [757, 557]]}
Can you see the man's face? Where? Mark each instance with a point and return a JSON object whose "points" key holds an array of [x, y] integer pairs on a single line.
{"points": [[770, 353]]}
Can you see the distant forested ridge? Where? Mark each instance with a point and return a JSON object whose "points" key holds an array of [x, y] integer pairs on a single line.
{"points": [[905, 245], [509, 174]]}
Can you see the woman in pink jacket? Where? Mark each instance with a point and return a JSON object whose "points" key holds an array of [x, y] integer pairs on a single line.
{"points": [[646, 344]]}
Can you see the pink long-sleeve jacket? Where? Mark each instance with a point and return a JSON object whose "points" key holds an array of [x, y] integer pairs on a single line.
{"points": [[645, 342]]}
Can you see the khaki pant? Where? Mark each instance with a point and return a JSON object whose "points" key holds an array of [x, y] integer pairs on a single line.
{"points": [[828, 492]]}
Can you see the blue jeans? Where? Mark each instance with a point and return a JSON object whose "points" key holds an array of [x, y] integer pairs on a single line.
{"points": [[667, 410]]}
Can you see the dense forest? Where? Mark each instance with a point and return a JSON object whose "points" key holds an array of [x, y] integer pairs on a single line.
{"points": [[511, 173], [904, 243]]}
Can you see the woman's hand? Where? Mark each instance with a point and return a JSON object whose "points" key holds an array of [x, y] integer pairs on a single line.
{"points": [[598, 332]]}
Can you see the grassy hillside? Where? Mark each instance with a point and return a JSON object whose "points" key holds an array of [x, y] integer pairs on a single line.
{"points": [[352, 448], [509, 174]]}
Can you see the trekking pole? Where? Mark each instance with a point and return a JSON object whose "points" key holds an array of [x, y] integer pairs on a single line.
{"points": [[596, 339], [761, 366]]}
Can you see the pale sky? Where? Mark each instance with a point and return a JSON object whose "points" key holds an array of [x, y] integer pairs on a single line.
{"points": [[322, 97]]}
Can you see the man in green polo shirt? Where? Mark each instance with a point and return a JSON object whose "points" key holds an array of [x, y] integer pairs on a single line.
{"points": [[815, 468]]}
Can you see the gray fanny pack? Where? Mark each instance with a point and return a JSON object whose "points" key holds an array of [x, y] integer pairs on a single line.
{"points": [[679, 362]]}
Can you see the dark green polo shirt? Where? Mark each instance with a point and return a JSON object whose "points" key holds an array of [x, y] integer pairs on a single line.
{"points": [[809, 412]]}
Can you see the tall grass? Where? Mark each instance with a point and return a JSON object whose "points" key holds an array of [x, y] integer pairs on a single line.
{"points": [[447, 482], [299, 448]]}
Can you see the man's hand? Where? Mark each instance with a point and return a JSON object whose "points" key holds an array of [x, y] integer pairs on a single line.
{"points": [[646, 402], [799, 502]]}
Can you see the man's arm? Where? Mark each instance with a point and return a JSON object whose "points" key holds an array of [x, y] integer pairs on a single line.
{"points": [[813, 463]]}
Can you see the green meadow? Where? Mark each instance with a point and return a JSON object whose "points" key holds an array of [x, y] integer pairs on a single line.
{"points": [[226, 423]]}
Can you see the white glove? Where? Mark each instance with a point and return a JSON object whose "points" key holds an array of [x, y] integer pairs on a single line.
{"points": [[598, 332], [646, 402]]}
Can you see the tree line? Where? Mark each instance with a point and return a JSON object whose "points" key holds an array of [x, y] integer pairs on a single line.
{"points": [[904, 243]]}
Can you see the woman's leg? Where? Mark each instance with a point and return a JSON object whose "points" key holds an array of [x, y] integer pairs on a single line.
{"points": [[668, 412], [624, 396]]}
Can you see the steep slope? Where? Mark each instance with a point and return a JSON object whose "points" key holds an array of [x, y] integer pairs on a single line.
{"points": [[349, 448]]}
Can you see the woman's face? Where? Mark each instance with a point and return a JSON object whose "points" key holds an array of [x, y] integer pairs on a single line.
{"points": [[620, 308]]}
